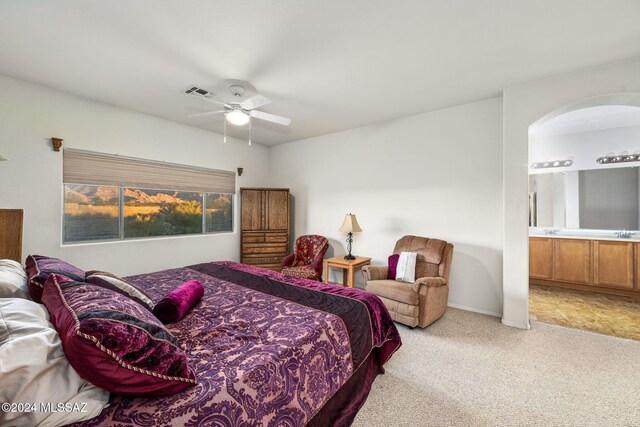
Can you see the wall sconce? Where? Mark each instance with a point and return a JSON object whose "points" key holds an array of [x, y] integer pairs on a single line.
{"points": [[240, 170], [57, 143], [553, 164], [619, 158], [2, 158]]}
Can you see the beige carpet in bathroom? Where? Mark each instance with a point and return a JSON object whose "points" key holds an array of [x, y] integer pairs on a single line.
{"points": [[467, 369], [590, 311]]}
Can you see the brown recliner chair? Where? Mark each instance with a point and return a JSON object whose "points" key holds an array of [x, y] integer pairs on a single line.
{"points": [[425, 301]]}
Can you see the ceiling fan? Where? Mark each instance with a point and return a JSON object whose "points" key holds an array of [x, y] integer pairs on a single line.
{"points": [[239, 103]]}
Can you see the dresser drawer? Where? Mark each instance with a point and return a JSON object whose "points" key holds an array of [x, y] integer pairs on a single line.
{"points": [[264, 248], [276, 237], [253, 238]]}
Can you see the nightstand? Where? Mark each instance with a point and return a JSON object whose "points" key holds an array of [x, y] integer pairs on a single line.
{"points": [[348, 267]]}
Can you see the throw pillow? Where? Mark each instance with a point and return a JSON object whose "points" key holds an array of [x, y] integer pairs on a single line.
{"points": [[13, 280], [179, 301], [117, 284], [35, 371], [406, 271], [393, 266], [39, 268], [114, 342]]}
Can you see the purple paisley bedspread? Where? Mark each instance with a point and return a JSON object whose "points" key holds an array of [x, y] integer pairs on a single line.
{"points": [[267, 350]]}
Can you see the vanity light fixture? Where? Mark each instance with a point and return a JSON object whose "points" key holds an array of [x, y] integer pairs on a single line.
{"points": [[619, 158], [553, 164]]}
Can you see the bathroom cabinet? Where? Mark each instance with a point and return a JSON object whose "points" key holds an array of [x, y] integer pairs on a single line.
{"points": [[613, 264], [607, 266], [540, 258], [572, 260]]}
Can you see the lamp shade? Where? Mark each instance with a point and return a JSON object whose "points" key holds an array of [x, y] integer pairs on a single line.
{"points": [[350, 224]]}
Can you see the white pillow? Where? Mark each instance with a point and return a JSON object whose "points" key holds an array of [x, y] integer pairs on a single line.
{"points": [[13, 280], [34, 369], [406, 271]]}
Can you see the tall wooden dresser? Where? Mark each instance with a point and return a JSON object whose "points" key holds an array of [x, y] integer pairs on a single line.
{"points": [[264, 226]]}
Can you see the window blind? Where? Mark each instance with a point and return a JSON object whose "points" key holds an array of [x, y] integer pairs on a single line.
{"points": [[86, 167]]}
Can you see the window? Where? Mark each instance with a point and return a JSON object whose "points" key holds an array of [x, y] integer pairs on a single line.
{"points": [[94, 213], [119, 209], [91, 213], [161, 213], [219, 213]]}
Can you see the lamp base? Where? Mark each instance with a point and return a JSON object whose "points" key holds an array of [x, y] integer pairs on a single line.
{"points": [[350, 257]]}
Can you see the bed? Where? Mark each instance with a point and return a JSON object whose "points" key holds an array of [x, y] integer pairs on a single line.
{"points": [[267, 350]]}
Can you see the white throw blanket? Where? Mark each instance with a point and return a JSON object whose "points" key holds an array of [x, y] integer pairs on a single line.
{"points": [[406, 271]]}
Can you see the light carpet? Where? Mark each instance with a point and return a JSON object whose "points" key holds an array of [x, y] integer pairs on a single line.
{"points": [[467, 369]]}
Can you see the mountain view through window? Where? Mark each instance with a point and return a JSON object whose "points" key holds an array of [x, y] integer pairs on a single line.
{"points": [[105, 213]]}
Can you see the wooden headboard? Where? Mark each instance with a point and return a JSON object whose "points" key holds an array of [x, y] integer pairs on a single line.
{"points": [[11, 234]]}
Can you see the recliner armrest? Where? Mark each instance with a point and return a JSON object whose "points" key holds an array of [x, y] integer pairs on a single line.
{"points": [[374, 272], [432, 282]]}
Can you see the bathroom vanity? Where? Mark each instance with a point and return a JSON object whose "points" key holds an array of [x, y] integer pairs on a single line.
{"points": [[607, 265]]}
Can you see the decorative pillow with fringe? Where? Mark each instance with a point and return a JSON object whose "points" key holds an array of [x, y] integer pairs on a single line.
{"points": [[114, 342], [39, 268]]}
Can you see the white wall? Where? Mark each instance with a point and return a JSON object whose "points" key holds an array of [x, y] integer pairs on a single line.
{"points": [[436, 175], [524, 105], [32, 177]]}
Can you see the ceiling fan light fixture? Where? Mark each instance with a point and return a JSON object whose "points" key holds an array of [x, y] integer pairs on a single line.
{"points": [[238, 117]]}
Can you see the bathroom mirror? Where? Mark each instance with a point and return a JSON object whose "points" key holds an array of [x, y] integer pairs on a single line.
{"points": [[593, 199]]}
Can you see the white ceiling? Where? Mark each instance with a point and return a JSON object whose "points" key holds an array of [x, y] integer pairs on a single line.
{"points": [[329, 65]]}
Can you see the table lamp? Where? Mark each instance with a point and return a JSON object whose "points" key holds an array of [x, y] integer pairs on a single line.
{"points": [[350, 226]]}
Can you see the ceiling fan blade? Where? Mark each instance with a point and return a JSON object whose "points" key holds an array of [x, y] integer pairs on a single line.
{"points": [[255, 101], [270, 117], [215, 101], [207, 113]]}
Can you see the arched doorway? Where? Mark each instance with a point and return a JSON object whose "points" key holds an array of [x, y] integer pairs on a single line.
{"points": [[524, 105], [584, 215]]}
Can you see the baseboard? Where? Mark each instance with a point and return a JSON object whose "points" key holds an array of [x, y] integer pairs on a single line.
{"points": [[492, 313], [475, 310], [515, 324]]}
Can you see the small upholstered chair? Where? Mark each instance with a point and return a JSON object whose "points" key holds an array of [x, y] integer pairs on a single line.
{"points": [[424, 301], [306, 259]]}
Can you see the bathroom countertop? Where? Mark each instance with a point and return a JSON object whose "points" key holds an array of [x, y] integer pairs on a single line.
{"points": [[634, 238]]}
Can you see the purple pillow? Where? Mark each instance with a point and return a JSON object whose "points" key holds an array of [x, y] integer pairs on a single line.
{"points": [[178, 302], [393, 266], [39, 268], [114, 342]]}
